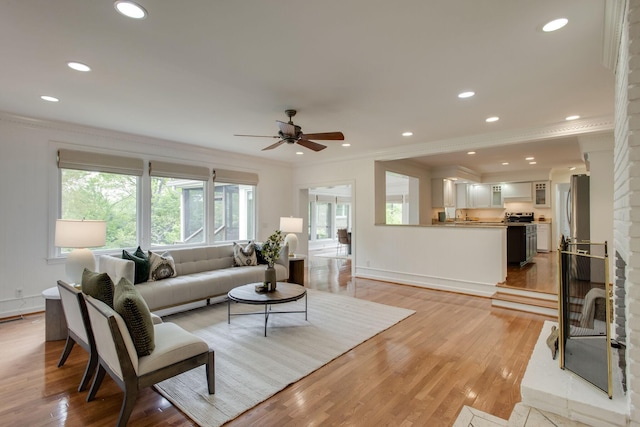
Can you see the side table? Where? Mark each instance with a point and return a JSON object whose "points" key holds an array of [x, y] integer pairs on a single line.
{"points": [[55, 322], [296, 269]]}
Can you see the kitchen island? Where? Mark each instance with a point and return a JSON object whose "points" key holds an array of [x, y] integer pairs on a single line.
{"points": [[466, 257], [522, 243]]}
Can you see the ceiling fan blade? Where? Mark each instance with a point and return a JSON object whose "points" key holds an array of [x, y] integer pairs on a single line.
{"points": [[286, 128], [311, 145], [259, 136], [332, 136], [272, 146]]}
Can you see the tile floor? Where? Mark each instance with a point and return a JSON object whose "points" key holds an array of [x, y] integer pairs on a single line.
{"points": [[522, 416]]}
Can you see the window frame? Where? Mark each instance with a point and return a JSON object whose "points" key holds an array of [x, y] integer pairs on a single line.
{"points": [[143, 198]]}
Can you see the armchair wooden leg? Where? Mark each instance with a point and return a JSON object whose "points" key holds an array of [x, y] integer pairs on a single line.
{"points": [[211, 373], [128, 402], [97, 381], [89, 370], [68, 346]]}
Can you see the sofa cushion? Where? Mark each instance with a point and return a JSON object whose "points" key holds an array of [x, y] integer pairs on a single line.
{"points": [[161, 266], [98, 285], [141, 260], [129, 304], [244, 255]]}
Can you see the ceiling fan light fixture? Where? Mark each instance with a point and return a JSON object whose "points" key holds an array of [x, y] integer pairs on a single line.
{"points": [[130, 9]]}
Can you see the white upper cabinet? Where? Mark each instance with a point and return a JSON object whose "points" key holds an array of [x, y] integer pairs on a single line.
{"points": [[517, 190], [443, 193], [541, 194], [481, 197], [496, 196], [463, 196]]}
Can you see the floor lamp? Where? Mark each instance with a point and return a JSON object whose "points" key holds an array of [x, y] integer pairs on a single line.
{"points": [[80, 235], [291, 225]]}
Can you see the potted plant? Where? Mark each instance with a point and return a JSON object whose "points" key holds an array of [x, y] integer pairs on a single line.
{"points": [[271, 253]]}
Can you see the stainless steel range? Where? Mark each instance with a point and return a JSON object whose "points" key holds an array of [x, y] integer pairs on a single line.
{"points": [[519, 217]]}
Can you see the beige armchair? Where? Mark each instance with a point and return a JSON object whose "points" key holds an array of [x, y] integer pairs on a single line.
{"points": [[78, 329], [176, 351]]}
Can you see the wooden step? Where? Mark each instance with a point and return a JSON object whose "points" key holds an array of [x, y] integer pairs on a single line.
{"points": [[540, 304]]}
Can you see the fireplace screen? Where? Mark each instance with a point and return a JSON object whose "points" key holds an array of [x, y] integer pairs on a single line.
{"points": [[585, 312]]}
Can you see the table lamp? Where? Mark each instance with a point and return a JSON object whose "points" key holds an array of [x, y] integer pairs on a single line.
{"points": [[291, 225], [80, 235]]}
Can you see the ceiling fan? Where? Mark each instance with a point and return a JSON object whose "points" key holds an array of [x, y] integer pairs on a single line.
{"points": [[292, 134]]}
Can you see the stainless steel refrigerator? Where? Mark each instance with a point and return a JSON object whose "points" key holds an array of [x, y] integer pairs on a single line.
{"points": [[580, 222]]}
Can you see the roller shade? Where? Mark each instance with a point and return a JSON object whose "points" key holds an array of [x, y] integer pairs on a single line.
{"points": [[180, 171], [235, 177], [96, 162]]}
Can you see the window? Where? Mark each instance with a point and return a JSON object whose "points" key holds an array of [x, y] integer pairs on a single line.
{"points": [[401, 199], [171, 205], [177, 211], [234, 209], [99, 195]]}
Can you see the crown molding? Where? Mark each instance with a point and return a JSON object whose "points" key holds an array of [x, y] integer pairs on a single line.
{"points": [[143, 141]]}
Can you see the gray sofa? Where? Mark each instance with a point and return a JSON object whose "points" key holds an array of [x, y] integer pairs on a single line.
{"points": [[202, 273]]}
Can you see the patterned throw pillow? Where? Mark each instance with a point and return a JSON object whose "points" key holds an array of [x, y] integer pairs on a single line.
{"points": [[98, 285], [161, 266], [129, 304], [244, 255], [141, 261]]}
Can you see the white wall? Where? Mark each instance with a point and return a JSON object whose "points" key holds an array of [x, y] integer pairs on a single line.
{"points": [[28, 174]]}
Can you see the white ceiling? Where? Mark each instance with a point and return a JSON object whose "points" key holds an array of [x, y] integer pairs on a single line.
{"points": [[200, 71]]}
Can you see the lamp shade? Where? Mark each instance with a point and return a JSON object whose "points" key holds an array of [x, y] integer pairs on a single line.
{"points": [[75, 233], [290, 225]]}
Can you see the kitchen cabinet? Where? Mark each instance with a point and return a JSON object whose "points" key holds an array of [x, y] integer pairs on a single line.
{"points": [[443, 193], [544, 237], [522, 243], [496, 196], [541, 194], [481, 196], [518, 191], [463, 196]]}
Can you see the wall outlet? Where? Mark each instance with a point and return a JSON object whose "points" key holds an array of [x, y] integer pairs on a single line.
{"points": [[18, 292]]}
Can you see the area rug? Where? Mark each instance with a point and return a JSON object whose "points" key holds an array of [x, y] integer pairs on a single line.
{"points": [[251, 368]]}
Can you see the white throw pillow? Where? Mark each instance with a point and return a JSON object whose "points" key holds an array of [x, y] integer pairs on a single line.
{"points": [[244, 255], [161, 266]]}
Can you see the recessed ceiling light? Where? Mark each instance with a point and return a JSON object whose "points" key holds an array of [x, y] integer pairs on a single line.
{"points": [[529, 158], [467, 94], [130, 9], [407, 133], [533, 163], [505, 163], [49, 98], [299, 153], [78, 66], [554, 25], [471, 152], [346, 144], [492, 119], [572, 168], [572, 118]]}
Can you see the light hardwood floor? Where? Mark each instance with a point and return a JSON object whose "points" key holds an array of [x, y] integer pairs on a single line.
{"points": [[455, 350]]}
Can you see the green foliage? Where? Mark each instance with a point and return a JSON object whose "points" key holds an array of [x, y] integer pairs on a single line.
{"points": [[394, 213], [165, 212], [271, 248]]}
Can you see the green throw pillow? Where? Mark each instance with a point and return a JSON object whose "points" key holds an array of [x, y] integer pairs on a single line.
{"points": [[129, 304], [142, 266], [98, 285]]}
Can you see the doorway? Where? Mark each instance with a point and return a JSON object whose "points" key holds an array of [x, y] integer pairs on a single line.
{"points": [[330, 213]]}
